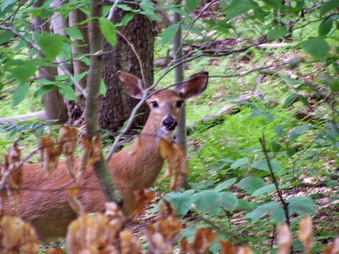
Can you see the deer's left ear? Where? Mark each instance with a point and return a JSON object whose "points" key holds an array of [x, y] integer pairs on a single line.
{"points": [[194, 86]]}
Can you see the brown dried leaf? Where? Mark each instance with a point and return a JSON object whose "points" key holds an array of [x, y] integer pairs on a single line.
{"points": [[115, 215], [227, 247], [306, 233], [129, 244], [184, 246], [50, 154], [18, 236], [67, 145], [166, 209], [142, 198], [91, 154], [332, 248], [203, 240], [54, 250], [74, 202], [245, 250], [284, 239], [175, 156]]}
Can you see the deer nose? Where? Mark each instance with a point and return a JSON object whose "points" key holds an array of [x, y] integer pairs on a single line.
{"points": [[170, 123]]}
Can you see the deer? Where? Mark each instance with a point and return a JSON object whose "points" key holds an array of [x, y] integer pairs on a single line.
{"points": [[44, 202]]}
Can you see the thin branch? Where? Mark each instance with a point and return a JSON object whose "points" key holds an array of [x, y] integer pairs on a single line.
{"points": [[112, 10], [275, 181]]}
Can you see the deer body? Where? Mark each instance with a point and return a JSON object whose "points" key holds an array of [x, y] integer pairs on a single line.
{"points": [[44, 201]]}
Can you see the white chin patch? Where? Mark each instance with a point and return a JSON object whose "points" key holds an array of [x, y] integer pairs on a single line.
{"points": [[164, 133]]}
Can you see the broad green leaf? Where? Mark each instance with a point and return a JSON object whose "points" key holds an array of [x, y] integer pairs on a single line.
{"points": [[250, 184], [279, 131], [207, 202], [304, 100], [5, 143], [125, 7], [263, 165], [278, 215], [107, 29], [74, 33], [262, 210], [240, 162], [126, 19], [225, 184], [316, 47], [51, 44], [5, 36], [264, 190], [23, 70], [44, 82], [192, 4], [67, 91], [228, 201], [7, 4], [301, 205], [297, 132], [334, 85], [275, 4], [325, 27], [277, 33], [329, 6], [244, 205], [20, 93], [290, 100], [238, 7], [169, 33], [42, 90], [149, 10], [181, 202]]}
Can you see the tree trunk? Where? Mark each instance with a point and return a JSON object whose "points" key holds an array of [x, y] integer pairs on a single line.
{"points": [[116, 106], [55, 108]]}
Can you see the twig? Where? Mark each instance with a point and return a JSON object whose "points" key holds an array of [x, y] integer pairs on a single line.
{"points": [[284, 204], [112, 10]]}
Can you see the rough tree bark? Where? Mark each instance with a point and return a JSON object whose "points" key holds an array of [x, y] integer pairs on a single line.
{"points": [[55, 108], [117, 105]]}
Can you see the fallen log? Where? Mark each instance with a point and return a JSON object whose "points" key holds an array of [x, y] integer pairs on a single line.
{"points": [[25, 117]]}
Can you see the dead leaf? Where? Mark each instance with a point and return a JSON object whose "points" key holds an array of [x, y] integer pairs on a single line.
{"points": [[203, 240], [332, 248], [227, 248], [175, 156], [284, 239], [74, 202], [50, 154], [54, 250], [142, 198], [67, 144], [306, 233]]}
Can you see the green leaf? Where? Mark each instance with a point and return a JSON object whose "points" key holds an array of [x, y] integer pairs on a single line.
{"points": [[192, 4], [225, 184], [74, 33], [278, 215], [7, 4], [51, 44], [304, 100], [325, 27], [334, 85], [103, 89], [250, 184], [301, 205], [169, 33], [279, 131], [264, 190], [107, 29], [244, 205], [263, 165], [228, 201], [207, 202], [67, 91], [297, 132], [277, 33], [5, 36], [238, 7], [329, 6], [42, 90], [240, 162], [290, 100], [181, 202], [126, 19], [316, 47], [23, 70], [149, 10], [20, 93], [262, 210]]}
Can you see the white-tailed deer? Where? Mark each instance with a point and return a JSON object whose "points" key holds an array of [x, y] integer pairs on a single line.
{"points": [[44, 201]]}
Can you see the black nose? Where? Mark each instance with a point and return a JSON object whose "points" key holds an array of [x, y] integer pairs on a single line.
{"points": [[170, 123]]}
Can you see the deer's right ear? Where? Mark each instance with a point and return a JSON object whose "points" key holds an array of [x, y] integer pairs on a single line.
{"points": [[133, 85]]}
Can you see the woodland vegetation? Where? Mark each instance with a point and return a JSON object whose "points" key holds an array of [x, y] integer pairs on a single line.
{"points": [[262, 140]]}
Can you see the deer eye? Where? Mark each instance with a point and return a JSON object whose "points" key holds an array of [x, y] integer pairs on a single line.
{"points": [[178, 104], [154, 104]]}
